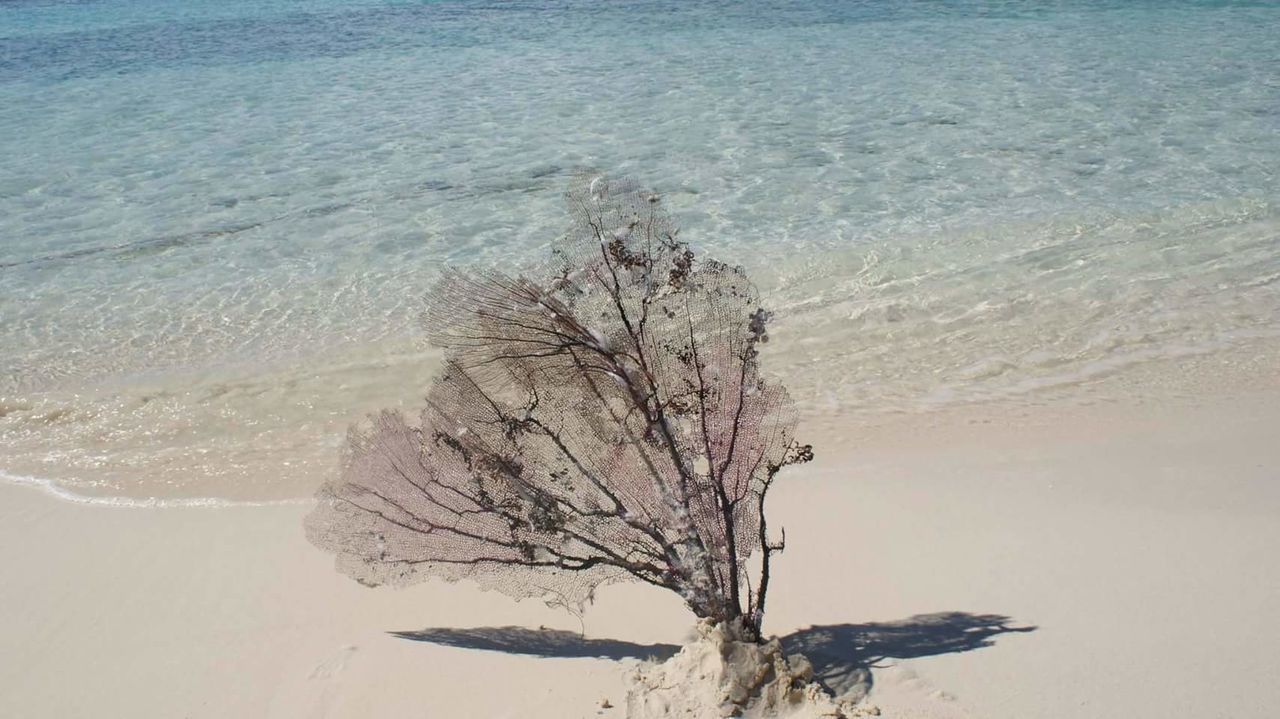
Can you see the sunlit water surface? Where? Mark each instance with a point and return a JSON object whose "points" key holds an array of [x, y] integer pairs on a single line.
{"points": [[218, 218]]}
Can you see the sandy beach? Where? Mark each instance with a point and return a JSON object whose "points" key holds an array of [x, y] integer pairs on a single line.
{"points": [[1066, 561], [546, 294]]}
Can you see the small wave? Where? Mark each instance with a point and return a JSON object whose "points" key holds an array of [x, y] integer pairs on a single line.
{"points": [[54, 489]]}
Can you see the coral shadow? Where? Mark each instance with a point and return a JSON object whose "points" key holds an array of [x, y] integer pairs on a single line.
{"points": [[539, 643], [844, 654]]}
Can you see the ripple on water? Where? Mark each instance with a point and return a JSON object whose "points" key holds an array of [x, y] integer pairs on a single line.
{"points": [[219, 218]]}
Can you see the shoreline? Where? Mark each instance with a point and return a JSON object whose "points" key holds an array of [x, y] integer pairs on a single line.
{"points": [[52, 488], [1172, 384]]}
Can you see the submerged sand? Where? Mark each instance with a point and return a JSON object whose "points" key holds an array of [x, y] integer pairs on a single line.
{"points": [[1065, 561]]}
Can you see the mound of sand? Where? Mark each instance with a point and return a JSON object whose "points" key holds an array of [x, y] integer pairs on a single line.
{"points": [[718, 675]]}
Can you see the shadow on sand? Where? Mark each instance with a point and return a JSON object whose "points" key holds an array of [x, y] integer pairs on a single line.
{"points": [[842, 654], [539, 643]]}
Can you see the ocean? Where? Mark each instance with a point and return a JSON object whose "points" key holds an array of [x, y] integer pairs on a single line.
{"points": [[218, 219]]}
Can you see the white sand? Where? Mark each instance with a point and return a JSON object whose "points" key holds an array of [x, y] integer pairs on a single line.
{"points": [[1140, 540], [718, 675]]}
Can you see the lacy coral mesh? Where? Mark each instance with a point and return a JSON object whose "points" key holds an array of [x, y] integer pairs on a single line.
{"points": [[602, 417]]}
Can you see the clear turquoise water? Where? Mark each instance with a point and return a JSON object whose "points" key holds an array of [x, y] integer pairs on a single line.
{"points": [[217, 218]]}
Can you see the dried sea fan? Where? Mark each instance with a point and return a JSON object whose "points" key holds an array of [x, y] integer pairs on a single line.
{"points": [[601, 419]]}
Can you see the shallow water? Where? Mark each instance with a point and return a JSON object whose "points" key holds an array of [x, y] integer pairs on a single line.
{"points": [[218, 218]]}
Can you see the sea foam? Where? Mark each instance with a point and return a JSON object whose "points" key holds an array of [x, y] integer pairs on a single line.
{"points": [[61, 492]]}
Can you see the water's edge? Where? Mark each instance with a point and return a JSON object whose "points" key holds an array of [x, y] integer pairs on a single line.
{"points": [[58, 491]]}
